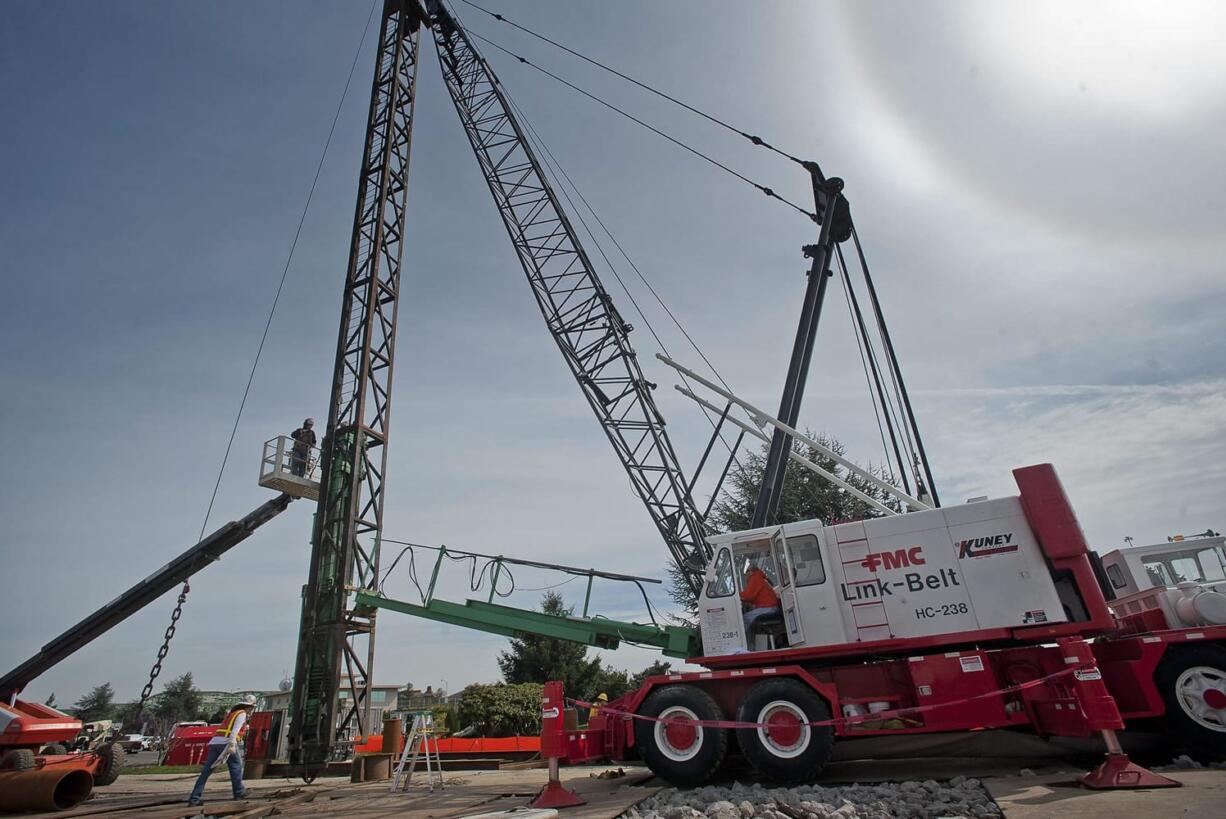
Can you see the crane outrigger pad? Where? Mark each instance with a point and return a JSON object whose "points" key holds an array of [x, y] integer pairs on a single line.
{"points": [[601, 632]]}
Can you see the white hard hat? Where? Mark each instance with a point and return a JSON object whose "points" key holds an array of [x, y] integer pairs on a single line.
{"points": [[248, 700]]}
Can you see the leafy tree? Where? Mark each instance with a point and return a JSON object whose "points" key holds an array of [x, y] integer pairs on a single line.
{"points": [[130, 716], [501, 710], [806, 496], [536, 659], [95, 705], [654, 670], [178, 702], [610, 681]]}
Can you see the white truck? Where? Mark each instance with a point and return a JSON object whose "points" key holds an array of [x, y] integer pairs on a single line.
{"points": [[1180, 582]]}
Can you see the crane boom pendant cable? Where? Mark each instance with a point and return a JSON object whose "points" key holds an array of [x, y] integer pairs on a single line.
{"points": [[753, 139], [769, 192]]}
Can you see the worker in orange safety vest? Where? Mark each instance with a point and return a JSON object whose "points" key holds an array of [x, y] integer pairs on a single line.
{"points": [[226, 745], [757, 598]]}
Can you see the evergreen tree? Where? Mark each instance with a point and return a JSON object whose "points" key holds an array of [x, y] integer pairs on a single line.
{"points": [[130, 716], [654, 670], [806, 496], [95, 705], [50, 703], [536, 659], [178, 702]]}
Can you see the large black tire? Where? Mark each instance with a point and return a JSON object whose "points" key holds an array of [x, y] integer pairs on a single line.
{"points": [[685, 755], [790, 752], [54, 749], [111, 760], [1192, 680], [21, 759]]}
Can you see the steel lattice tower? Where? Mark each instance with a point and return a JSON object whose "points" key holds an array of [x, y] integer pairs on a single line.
{"points": [[349, 520]]}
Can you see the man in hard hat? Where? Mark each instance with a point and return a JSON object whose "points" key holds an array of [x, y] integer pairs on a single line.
{"points": [[602, 699], [227, 743], [304, 442], [757, 598]]}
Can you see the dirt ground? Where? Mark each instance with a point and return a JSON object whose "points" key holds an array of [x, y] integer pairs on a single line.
{"points": [[1046, 790]]}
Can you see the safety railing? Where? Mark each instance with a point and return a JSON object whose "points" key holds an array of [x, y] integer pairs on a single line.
{"points": [[291, 467], [495, 569]]}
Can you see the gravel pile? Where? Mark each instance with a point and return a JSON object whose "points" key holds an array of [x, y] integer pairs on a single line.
{"points": [[1183, 762], [960, 797]]}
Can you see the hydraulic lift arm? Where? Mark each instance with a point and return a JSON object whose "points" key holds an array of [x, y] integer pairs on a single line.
{"points": [[203, 554], [590, 333]]}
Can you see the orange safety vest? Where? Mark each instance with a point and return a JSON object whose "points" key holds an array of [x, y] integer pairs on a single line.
{"points": [[227, 725]]}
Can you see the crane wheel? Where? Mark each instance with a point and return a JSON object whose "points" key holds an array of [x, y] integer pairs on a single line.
{"points": [[21, 759], [1192, 680], [110, 763], [679, 751], [789, 750], [54, 749]]}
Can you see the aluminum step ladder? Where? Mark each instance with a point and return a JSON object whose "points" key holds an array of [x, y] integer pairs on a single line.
{"points": [[418, 746]]}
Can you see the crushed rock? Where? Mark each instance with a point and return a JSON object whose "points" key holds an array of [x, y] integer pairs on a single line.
{"points": [[929, 799], [1183, 762]]}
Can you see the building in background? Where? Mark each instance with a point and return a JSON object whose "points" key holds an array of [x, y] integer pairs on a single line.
{"points": [[213, 702], [384, 699]]}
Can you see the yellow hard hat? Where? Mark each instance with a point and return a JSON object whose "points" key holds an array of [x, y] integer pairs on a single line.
{"points": [[602, 697]]}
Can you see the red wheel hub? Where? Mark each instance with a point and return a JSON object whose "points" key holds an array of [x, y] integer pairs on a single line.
{"points": [[1215, 698], [784, 728], [680, 733]]}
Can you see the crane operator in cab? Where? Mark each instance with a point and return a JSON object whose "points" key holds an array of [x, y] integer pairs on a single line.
{"points": [[758, 599]]}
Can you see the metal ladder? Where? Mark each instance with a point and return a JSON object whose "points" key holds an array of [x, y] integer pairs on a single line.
{"points": [[417, 746]]}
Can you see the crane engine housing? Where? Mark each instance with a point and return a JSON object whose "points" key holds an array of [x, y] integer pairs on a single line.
{"points": [[956, 575]]}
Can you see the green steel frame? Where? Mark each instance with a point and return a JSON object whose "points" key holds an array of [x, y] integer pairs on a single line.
{"points": [[601, 632]]}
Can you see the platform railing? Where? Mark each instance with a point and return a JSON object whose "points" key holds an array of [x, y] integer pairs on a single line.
{"points": [[291, 467]]}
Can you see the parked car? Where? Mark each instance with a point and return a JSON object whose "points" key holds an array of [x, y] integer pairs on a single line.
{"points": [[132, 743]]}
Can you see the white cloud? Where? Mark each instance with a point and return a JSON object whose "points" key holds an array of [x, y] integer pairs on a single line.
{"points": [[1145, 461]]}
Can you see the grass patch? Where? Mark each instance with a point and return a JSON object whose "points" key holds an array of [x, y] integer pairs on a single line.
{"points": [[160, 769]]}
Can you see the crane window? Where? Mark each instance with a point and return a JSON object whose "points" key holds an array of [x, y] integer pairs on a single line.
{"points": [[1196, 565], [723, 584], [1116, 576], [806, 557]]}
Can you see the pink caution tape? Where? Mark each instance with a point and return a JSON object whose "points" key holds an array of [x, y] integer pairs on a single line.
{"points": [[852, 720]]}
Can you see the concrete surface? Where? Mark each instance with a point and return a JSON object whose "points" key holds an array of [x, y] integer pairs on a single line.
{"points": [[1057, 794]]}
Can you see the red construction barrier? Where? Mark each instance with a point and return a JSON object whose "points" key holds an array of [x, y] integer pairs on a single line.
{"points": [[464, 746], [189, 745]]}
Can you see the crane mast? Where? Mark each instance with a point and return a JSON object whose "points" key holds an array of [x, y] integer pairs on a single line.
{"points": [[593, 337], [349, 519]]}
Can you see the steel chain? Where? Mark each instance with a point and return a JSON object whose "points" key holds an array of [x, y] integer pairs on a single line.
{"points": [[147, 692]]}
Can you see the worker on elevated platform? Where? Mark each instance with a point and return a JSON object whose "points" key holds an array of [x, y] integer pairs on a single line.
{"points": [[304, 441], [757, 597], [227, 744]]}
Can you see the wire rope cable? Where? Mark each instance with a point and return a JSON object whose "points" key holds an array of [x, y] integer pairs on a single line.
{"points": [[550, 158], [548, 154], [769, 192], [756, 140], [860, 341], [147, 692]]}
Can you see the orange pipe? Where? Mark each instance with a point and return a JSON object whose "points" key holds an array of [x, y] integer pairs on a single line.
{"points": [[54, 787]]}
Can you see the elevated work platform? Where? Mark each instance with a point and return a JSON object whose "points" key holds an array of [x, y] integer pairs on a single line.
{"points": [[290, 467], [601, 632]]}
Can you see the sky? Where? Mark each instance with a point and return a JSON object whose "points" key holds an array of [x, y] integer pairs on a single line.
{"points": [[1038, 188]]}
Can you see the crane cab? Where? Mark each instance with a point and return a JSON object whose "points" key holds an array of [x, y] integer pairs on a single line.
{"points": [[944, 575]]}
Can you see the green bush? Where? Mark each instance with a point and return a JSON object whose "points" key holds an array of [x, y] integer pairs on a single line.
{"points": [[501, 710]]}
